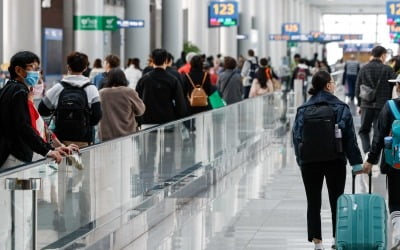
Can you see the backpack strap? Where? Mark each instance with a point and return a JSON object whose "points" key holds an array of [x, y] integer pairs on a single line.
{"points": [[393, 108], [202, 82], [67, 85], [190, 80]]}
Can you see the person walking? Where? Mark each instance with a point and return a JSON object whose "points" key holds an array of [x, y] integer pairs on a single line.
{"points": [[351, 69], [321, 153], [133, 72], [373, 78], [120, 107], [384, 126]]}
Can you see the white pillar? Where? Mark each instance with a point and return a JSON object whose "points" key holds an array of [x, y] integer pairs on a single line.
{"points": [[262, 27], [1, 31], [214, 42], [172, 27], [228, 41], [246, 11], [22, 27], [137, 42], [90, 42], [197, 24]]}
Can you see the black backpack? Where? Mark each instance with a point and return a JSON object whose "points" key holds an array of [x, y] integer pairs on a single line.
{"points": [[73, 114], [318, 135], [253, 69]]}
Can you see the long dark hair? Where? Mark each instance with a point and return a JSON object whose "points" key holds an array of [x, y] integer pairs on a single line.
{"points": [[262, 74], [319, 81], [115, 78]]}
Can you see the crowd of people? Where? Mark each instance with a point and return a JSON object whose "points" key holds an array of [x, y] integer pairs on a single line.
{"points": [[107, 101]]}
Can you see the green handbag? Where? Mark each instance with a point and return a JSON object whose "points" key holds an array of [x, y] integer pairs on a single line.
{"points": [[216, 100]]}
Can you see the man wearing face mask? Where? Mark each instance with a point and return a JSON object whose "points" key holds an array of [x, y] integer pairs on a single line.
{"points": [[18, 139]]}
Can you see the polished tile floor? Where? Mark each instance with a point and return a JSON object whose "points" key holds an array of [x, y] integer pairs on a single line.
{"points": [[255, 207]]}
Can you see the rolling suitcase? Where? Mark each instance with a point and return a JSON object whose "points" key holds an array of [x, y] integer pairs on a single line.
{"points": [[361, 221]]}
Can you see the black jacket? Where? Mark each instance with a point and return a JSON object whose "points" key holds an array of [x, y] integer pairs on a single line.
{"points": [[163, 96], [344, 120], [384, 124], [369, 75], [17, 136]]}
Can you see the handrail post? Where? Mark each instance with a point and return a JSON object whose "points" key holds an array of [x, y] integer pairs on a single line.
{"points": [[31, 184]]}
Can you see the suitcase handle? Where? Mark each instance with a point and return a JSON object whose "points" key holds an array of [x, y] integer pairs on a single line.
{"points": [[369, 184]]}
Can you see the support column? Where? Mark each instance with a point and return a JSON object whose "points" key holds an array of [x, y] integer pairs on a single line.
{"points": [[68, 31], [90, 42], [137, 42], [172, 27], [246, 14], [227, 41], [197, 24], [22, 25], [262, 27]]}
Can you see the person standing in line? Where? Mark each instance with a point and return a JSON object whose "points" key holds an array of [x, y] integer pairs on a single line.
{"points": [[97, 69], [351, 69], [262, 84], [248, 72], [329, 164], [133, 72], [110, 62], [198, 77], [229, 82], [119, 115], [18, 139], [78, 88], [161, 93], [374, 75]]}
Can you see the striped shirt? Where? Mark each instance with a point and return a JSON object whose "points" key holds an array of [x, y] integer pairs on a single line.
{"points": [[352, 68]]}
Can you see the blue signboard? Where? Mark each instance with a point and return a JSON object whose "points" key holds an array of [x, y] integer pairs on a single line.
{"points": [[130, 23], [223, 14], [393, 10], [290, 29], [315, 37]]}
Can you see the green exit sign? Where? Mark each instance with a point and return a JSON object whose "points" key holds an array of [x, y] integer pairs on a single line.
{"points": [[95, 23]]}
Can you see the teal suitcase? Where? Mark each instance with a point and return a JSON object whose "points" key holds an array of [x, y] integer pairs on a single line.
{"points": [[361, 221]]}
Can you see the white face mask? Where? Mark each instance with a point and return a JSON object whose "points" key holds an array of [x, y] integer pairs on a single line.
{"points": [[38, 91]]}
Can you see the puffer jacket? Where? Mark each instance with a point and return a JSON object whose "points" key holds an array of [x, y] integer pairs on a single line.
{"points": [[384, 124], [344, 120], [371, 74]]}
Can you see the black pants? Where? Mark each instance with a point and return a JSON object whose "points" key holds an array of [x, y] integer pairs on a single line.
{"points": [[369, 118], [246, 91], [393, 186], [313, 178]]}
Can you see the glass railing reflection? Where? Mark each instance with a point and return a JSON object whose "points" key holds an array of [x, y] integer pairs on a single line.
{"points": [[121, 174]]}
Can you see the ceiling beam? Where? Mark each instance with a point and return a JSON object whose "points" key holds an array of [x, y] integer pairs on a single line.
{"points": [[351, 9]]}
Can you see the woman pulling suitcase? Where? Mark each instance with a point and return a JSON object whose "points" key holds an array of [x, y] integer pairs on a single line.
{"points": [[324, 139]]}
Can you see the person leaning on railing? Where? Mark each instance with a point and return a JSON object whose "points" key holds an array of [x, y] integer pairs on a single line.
{"points": [[18, 139]]}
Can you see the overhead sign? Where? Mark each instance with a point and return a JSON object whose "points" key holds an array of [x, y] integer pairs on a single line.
{"points": [[393, 9], [290, 29], [315, 37], [222, 14], [130, 23], [95, 23], [354, 47]]}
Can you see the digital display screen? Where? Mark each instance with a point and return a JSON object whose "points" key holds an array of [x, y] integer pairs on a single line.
{"points": [[290, 29], [223, 14]]}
